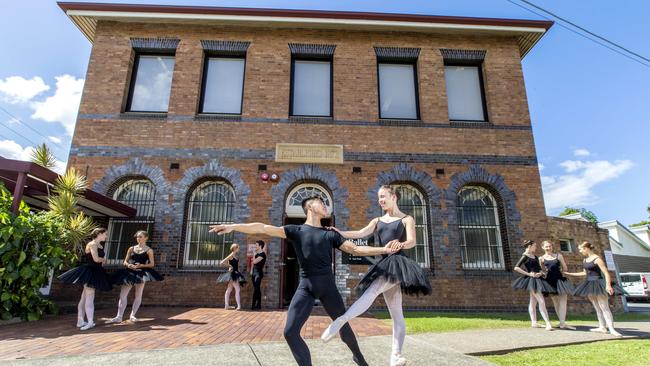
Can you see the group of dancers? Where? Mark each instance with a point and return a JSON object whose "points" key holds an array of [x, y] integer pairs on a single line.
{"points": [[391, 276], [545, 276], [139, 262]]}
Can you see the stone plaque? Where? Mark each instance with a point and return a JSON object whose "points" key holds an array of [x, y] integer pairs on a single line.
{"points": [[308, 153]]}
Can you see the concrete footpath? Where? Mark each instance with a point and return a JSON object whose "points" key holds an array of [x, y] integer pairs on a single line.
{"points": [[453, 348]]}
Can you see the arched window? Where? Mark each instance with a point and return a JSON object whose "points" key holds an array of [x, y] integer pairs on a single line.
{"points": [[141, 195], [480, 231], [210, 203], [412, 203], [293, 206]]}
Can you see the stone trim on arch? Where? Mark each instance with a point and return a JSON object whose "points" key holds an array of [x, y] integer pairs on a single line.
{"points": [[424, 182], [312, 173], [181, 190], [495, 183]]}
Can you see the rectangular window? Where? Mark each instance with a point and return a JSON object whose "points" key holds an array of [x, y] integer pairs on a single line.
{"points": [[311, 88], [398, 96], [151, 83], [465, 93], [566, 245], [223, 85]]}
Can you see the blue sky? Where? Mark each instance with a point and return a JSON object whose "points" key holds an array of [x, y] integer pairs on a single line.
{"points": [[589, 106]]}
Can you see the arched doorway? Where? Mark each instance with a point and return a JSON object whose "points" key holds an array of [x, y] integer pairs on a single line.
{"points": [[294, 215]]}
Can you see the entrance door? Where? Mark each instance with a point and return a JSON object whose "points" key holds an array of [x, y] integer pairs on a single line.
{"points": [[290, 268]]}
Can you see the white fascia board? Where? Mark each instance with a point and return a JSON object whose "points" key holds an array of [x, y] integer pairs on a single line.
{"points": [[297, 21]]}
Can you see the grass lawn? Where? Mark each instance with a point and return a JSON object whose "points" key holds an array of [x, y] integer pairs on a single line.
{"points": [[619, 353], [435, 322]]}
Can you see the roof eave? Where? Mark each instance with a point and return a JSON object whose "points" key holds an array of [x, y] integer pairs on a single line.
{"points": [[86, 15]]}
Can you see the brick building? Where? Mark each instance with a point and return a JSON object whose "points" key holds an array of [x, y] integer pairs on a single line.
{"points": [[184, 108]]}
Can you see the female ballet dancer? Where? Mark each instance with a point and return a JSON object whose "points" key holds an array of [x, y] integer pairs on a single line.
{"points": [[92, 276], [597, 287], [391, 275], [555, 267], [139, 262], [531, 271], [233, 277]]}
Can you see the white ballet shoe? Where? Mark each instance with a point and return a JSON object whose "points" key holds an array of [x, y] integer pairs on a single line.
{"points": [[615, 333], [397, 360], [566, 327], [133, 319], [80, 323], [536, 325], [548, 327], [333, 329], [114, 320], [88, 326], [598, 330]]}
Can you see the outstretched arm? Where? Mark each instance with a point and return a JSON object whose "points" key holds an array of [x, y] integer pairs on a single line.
{"points": [[225, 260], [253, 228], [358, 234], [364, 250]]}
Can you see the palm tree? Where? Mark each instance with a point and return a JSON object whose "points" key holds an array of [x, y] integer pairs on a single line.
{"points": [[68, 188]]}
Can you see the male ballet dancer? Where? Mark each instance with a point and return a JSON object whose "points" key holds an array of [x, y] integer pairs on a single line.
{"points": [[313, 245]]}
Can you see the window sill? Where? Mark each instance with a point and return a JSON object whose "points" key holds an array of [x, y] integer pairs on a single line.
{"points": [[476, 124], [484, 272], [143, 115], [310, 119], [399, 122], [217, 117]]}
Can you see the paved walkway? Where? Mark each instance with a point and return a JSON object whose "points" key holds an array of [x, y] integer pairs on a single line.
{"points": [[218, 337], [160, 328]]}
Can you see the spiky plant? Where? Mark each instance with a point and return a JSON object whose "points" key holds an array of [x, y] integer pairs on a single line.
{"points": [[43, 156], [63, 206]]}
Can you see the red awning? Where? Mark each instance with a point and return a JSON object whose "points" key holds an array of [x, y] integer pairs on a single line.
{"points": [[38, 183]]}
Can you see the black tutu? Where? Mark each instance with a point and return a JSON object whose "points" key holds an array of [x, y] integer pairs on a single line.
{"points": [[398, 268], [232, 276], [596, 286], [561, 287], [90, 275], [132, 276], [527, 283]]}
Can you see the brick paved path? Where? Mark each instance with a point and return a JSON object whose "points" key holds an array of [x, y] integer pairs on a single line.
{"points": [[160, 328]]}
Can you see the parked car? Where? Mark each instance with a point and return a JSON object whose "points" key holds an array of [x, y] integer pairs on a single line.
{"points": [[636, 285]]}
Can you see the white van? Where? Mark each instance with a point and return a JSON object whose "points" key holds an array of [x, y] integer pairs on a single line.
{"points": [[636, 285]]}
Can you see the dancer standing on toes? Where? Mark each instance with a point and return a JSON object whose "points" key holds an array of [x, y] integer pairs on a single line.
{"points": [[257, 273], [392, 275], [233, 277], [555, 266], [531, 271], [92, 276], [597, 287], [139, 263], [313, 245]]}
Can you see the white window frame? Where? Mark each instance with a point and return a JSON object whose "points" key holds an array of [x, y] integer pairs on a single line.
{"points": [[296, 211], [425, 224], [489, 263]]}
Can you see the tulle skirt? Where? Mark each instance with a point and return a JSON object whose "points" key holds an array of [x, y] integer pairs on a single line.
{"points": [[597, 287], [561, 287], [132, 276], [527, 283], [89, 275], [232, 276], [398, 268]]}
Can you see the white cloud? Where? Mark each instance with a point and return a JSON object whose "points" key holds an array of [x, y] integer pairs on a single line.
{"points": [[55, 139], [576, 187], [581, 152], [12, 150], [540, 166], [16, 89], [62, 107]]}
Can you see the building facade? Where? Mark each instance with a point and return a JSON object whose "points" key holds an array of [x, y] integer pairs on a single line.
{"points": [[197, 116]]}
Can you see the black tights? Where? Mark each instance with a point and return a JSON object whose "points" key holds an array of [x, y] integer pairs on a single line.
{"points": [[257, 292], [310, 288]]}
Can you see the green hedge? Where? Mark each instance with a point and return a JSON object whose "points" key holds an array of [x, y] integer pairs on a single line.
{"points": [[30, 246]]}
